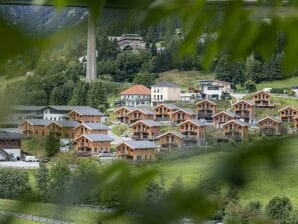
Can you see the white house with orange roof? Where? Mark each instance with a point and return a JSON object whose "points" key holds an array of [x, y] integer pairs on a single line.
{"points": [[137, 95]]}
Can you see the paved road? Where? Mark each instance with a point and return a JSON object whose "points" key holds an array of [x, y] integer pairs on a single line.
{"points": [[20, 164], [33, 218]]}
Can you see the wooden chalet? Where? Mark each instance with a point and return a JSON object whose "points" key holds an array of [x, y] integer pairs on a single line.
{"points": [[270, 126], [140, 114], [182, 115], [62, 129], [235, 129], [205, 109], [85, 115], [171, 140], [145, 130], [35, 127], [244, 109], [287, 114], [90, 128], [194, 131], [262, 99], [92, 144], [136, 151], [223, 117], [122, 114], [163, 111], [296, 123], [9, 140]]}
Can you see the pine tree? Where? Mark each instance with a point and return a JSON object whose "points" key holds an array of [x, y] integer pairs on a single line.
{"points": [[42, 179], [79, 96], [52, 144], [97, 96]]}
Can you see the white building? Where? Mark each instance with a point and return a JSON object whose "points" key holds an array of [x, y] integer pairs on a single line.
{"points": [[137, 95], [129, 42], [164, 91], [214, 89]]}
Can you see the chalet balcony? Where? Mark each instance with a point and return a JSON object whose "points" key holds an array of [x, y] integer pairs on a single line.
{"points": [[141, 136], [163, 117], [268, 131], [243, 114], [233, 134], [133, 120], [84, 151], [170, 145], [27, 133], [205, 114]]}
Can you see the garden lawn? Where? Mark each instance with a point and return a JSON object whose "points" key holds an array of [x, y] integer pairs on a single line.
{"points": [[66, 213], [262, 186], [284, 83]]}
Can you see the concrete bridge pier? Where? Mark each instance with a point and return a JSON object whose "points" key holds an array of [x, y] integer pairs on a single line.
{"points": [[91, 48]]}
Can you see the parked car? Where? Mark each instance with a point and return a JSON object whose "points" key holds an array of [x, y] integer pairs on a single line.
{"points": [[31, 159]]}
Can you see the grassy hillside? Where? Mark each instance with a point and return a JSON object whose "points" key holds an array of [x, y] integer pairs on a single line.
{"points": [[184, 79], [285, 83], [263, 184]]}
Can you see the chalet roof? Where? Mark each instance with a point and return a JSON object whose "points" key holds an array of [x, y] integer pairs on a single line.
{"points": [[87, 111], [271, 118], [229, 113], [195, 122], [126, 107], [244, 101], [136, 90], [27, 108], [221, 81], [94, 126], [38, 122], [261, 91], [185, 110], [98, 137], [165, 84], [67, 124], [206, 100], [144, 110], [287, 107], [139, 144], [179, 135], [150, 123], [4, 135], [168, 105], [241, 123]]}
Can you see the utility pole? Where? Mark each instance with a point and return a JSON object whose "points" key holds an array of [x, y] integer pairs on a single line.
{"points": [[91, 48]]}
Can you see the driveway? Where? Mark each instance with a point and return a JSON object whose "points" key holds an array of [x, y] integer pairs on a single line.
{"points": [[19, 165]]}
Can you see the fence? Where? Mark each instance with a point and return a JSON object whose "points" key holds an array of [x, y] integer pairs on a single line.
{"points": [[32, 217]]}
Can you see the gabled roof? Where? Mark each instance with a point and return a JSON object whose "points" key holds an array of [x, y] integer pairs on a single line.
{"points": [[241, 123], [87, 111], [206, 100], [244, 101], [38, 122], [229, 113], [150, 123], [168, 105], [94, 126], [139, 144], [287, 107], [146, 111], [136, 90], [195, 122], [179, 135], [97, 137], [261, 91], [67, 124], [5, 135], [271, 118], [125, 107], [165, 84], [185, 110]]}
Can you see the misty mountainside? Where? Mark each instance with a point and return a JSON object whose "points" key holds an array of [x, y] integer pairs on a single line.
{"points": [[41, 19]]}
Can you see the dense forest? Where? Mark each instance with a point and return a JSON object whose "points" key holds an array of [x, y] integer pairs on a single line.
{"points": [[55, 76]]}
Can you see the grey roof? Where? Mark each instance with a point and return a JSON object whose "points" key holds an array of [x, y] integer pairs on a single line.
{"points": [[178, 134], [165, 84], [272, 118], [197, 122], [29, 108], [140, 144], [67, 124], [96, 126], [230, 113], [186, 110], [246, 101], [4, 135], [242, 123], [144, 110], [39, 122], [98, 137], [150, 123], [87, 111], [169, 105]]}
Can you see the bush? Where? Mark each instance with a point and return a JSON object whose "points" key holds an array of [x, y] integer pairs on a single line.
{"points": [[250, 86], [280, 209], [277, 90]]}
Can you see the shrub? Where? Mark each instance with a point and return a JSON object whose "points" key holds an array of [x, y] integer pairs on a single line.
{"points": [[280, 209]]}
